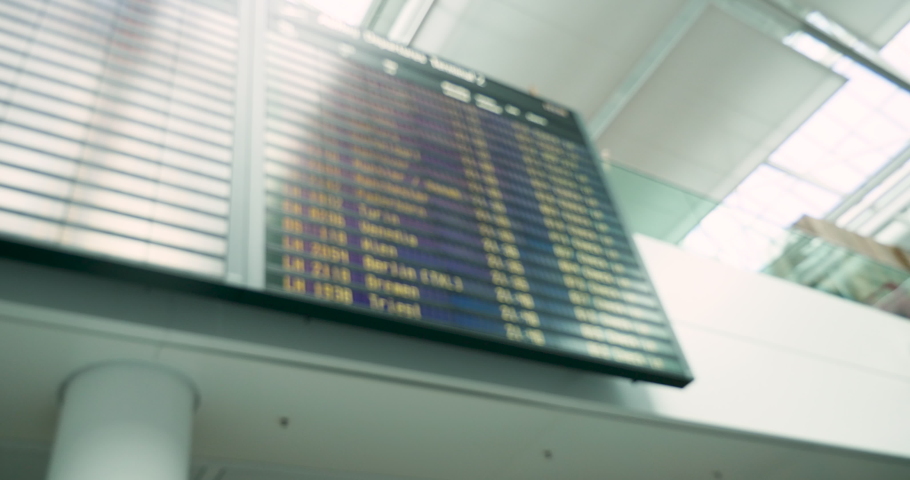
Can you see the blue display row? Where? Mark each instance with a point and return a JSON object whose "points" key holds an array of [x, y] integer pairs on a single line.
{"points": [[588, 288], [399, 192], [431, 291]]}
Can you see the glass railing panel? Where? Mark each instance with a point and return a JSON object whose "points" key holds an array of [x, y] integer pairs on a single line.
{"points": [[837, 270], [660, 210], [656, 208]]}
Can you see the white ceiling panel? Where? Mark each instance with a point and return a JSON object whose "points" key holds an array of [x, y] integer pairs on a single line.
{"points": [[715, 101], [573, 52], [614, 35], [510, 45]]}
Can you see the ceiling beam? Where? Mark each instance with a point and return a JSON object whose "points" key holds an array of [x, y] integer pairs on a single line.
{"points": [[845, 214], [369, 19], [840, 39], [410, 19], [398, 20]]}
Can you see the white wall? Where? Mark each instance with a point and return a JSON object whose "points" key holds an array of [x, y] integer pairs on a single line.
{"points": [[769, 357], [773, 357]]}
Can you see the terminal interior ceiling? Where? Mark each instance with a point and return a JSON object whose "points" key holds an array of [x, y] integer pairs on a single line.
{"points": [[696, 94], [690, 90], [701, 106], [701, 95]]}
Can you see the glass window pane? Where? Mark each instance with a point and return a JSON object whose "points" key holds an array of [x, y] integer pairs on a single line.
{"points": [[823, 130], [868, 87], [898, 109], [841, 177], [799, 154], [879, 130]]}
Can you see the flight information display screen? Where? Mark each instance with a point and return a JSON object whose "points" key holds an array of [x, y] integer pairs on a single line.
{"points": [[403, 188]]}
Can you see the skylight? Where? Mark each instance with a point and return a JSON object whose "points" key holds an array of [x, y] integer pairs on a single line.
{"points": [[351, 12], [852, 136]]}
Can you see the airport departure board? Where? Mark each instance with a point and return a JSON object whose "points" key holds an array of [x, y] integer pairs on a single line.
{"points": [[292, 162], [405, 188]]}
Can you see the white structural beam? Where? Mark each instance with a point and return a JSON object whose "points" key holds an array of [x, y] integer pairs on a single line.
{"points": [[398, 20], [409, 21], [840, 39]]}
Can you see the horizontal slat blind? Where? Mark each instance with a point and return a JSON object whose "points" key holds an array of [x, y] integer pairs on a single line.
{"points": [[116, 126]]}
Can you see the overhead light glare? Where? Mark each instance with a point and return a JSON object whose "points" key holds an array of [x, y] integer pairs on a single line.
{"points": [[351, 12]]}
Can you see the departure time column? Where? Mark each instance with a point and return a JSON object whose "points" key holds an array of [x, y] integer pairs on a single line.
{"points": [[516, 304]]}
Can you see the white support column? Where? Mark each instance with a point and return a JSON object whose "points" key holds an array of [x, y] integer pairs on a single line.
{"points": [[124, 420]]}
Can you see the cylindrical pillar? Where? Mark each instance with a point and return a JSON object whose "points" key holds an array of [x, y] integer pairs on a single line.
{"points": [[124, 420]]}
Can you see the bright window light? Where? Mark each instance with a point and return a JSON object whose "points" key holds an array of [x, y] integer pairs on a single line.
{"points": [[799, 155], [898, 108], [845, 142], [846, 110], [823, 130], [347, 11], [897, 52], [812, 48]]}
